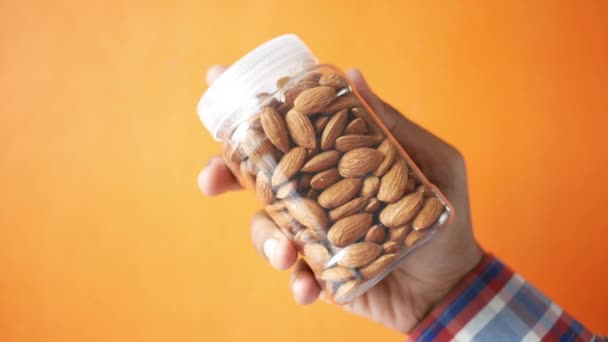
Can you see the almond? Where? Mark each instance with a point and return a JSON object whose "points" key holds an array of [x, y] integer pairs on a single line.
{"points": [[313, 100], [325, 179], [275, 129], [313, 76], [263, 189], [359, 254], [347, 209], [289, 165], [375, 234], [378, 266], [345, 101], [372, 205], [287, 189], [316, 255], [312, 194], [260, 150], [283, 219], [340, 193], [333, 80], [300, 129], [370, 186], [291, 93], [333, 129], [414, 237], [357, 126], [275, 207], [399, 213], [394, 182], [350, 142], [309, 235], [246, 179], [388, 150], [322, 161], [344, 290], [429, 213], [320, 123], [311, 152], [308, 212], [398, 234], [391, 247], [292, 228], [337, 274], [349, 229], [359, 161]]}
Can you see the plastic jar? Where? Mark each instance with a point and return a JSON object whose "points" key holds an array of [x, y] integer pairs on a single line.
{"points": [[326, 169]]}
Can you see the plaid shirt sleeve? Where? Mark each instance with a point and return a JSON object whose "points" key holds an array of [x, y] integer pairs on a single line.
{"points": [[494, 304]]}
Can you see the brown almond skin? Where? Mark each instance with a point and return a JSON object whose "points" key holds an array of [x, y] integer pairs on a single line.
{"points": [[309, 235], [316, 255], [277, 206], [289, 165], [291, 93], [304, 181], [275, 129], [359, 162], [359, 254], [388, 150], [263, 188], [347, 143], [260, 151], [281, 82], [340, 193], [398, 234], [337, 274], [430, 212], [345, 289], [246, 179], [333, 80], [300, 129], [399, 213], [308, 212], [348, 100], [349, 229], [376, 234], [349, 208], [357, 126], [391, 247], [322, 161], [313, 194], [287, 189], [414, 236], [313, 100], [325, 179], [394, 182], [378, 266], [370, 186], [333, 129]]}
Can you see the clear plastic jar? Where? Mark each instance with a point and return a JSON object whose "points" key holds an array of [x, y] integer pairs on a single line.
{"points": [[326, 169]]}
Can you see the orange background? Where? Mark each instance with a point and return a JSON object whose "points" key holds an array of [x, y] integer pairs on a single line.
{"points": [[105, 237]]}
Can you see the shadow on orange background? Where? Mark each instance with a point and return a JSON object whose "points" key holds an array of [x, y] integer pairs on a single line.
{"points": [[105, 237]]}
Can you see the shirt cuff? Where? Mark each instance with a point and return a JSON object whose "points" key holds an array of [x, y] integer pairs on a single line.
{"points": [[492, 303]]}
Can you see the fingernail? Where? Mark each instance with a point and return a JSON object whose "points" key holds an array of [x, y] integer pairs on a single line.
{"points": [[270, 248]]}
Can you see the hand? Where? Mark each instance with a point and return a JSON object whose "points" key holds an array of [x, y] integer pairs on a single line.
{"points": [[405, 297]]}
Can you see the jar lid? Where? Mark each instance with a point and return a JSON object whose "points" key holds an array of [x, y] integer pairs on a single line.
{"points": [[253, 74]]}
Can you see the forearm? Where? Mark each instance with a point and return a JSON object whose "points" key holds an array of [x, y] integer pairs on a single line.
{"points": [[493, 303]]}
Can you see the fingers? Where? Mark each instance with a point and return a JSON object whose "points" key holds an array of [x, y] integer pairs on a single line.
{"points": [[270, 242], [214, 72], [216, 178], [303, 284]]}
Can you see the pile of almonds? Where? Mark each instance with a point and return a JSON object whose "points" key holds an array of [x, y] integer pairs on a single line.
{"points": [[332, 180]]}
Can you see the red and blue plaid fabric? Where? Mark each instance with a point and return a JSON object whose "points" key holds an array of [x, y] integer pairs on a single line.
{"points": [[494, 304]]}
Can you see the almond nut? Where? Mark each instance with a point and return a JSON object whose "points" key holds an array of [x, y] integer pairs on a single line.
{"points": [[263, 189], [375, 234], [349, 229], [399, 213], [320, 123], [325, 179], [333, 129], [322, 161], [337, 274], [308, 212], [290, 164], [359, 254], [397, 234], [287, 189], [394, 182], [309, 235], [316, 255], [391, 247], [347, 209], [357, 126], [358, 162], [345, 101], [350, 142], [372, 205], [313, 100], [275, 129], [378, 266], [414, 236], [429, 213], [333, 80], [388, 151], [344, 290], [340, 193], [300, 129], [370, 186]]}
